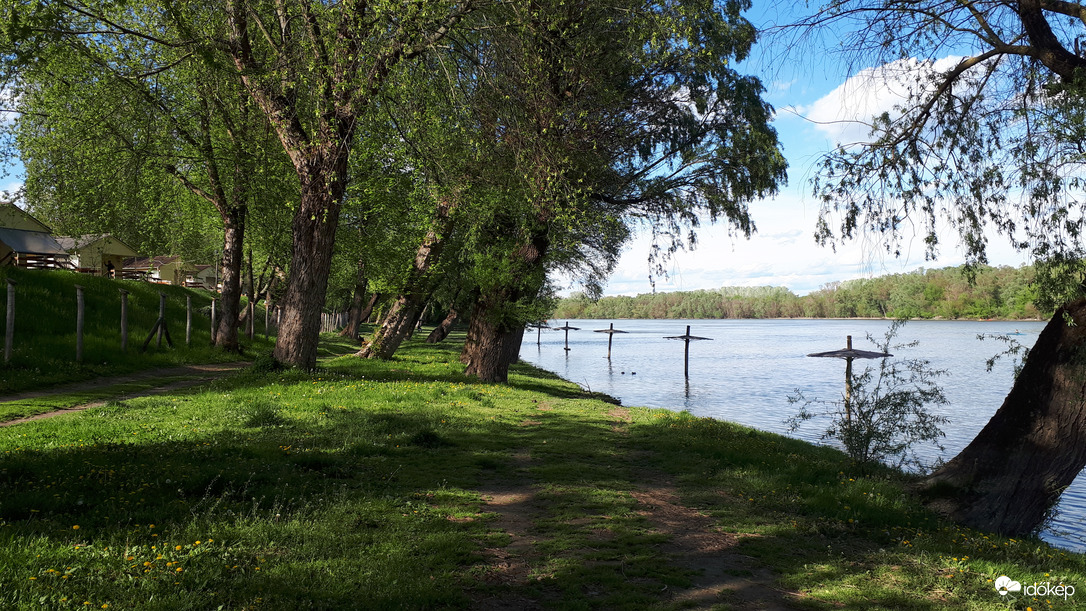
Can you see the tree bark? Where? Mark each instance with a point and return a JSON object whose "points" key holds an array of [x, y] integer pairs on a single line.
{"points": [[491, 347], [354, 319], [367, 312], [399, 324], [1008, 478], [441, 331], [226, 331], [313, 229], [494, 335]]}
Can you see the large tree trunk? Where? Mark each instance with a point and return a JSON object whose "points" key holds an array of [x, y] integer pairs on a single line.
{"points": [[494, 334], [441, 331], [354, 318], [367, 312], [491, 347], [226, 330], [1014, 471], [313, 231], [399, 324]]}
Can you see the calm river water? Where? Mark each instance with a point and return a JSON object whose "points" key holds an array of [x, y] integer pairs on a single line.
{"points": [[748, 370]]}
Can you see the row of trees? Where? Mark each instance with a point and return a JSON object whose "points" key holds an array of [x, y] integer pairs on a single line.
{"points": [[449, 154], [949, 293], [470, 148]]}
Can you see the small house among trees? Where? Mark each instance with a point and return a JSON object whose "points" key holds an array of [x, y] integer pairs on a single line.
{"points": [[26, 242], [98, 254], [205, 277], [162, 270]]}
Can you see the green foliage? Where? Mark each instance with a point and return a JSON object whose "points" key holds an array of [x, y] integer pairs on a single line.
{"points": [[985, 143], [884, 414], [948, 293]]}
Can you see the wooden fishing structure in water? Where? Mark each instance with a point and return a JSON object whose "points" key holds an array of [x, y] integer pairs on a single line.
{"points": [[686, 351], [610, 336], [850, 354], [567, 329], [538, 326]]}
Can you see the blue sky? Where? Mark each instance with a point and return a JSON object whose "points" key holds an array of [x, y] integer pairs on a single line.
{"points": [[818, 105]]}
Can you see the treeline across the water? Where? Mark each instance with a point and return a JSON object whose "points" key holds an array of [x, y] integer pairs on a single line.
{"points": [[995, 292]]}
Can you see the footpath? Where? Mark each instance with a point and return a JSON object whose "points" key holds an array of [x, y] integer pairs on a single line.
{"points": [[161, 380]]}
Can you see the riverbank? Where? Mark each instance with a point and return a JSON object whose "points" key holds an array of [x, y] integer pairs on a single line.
{"points": [[411, 483]]}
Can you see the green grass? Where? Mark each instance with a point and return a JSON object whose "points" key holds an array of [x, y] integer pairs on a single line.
{"points": [[44, 347], [359, 486]]}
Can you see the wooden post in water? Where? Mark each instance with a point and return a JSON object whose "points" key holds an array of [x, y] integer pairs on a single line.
{"points": [[686, 349], [610, 331], [686, 354], [124, 320], [79, 318], [849, 354], [848, 381], [567, 329], [9, 329], [188, 320]]}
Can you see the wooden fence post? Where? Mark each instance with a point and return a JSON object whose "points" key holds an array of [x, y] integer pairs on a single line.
{"points": [[124, 320], [161, 317], [9, 336], [79, 318], [188, 320], [252, 315], [212, 320], [267, 312], [9, 329]]}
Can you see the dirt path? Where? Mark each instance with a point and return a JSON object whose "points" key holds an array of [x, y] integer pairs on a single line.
{"points": [[198, 374], [695, 542], [724, 577]]}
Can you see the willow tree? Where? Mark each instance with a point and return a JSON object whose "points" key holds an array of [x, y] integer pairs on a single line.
{"points": [[106, 119], [596, 117], [311, 67], [988, 138]]}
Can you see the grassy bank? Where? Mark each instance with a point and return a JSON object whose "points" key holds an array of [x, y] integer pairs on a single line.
{"points": [[45, 328], [403, 484]]}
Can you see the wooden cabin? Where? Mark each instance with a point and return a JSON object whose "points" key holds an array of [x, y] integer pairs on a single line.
{"points": [[163, 270], [100, 254], [206, 277], [26, 242]]}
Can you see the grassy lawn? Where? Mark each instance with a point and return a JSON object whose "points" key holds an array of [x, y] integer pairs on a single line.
{"points": [[366, 485]]}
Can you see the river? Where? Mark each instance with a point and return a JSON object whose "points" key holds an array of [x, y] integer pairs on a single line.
{"points": [[747, 369]]}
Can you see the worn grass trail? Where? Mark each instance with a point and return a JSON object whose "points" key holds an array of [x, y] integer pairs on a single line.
{"points": [[404, 484]]}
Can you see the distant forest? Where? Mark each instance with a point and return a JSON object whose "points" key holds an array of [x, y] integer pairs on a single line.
{"points": [[995, 292]]}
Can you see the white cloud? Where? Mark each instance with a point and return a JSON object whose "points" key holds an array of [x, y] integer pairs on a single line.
{"points": [[845, 114]]}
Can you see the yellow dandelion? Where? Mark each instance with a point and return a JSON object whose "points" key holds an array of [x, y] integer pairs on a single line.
{"points": [[76, 527]]}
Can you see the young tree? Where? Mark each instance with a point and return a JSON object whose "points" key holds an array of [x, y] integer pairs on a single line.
{"points": [[987, 141]]}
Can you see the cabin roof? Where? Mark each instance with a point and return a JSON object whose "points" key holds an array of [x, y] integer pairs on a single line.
{"points": [[31, 242]]}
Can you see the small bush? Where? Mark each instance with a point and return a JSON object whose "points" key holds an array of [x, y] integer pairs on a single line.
{"points": [[886, 414]]}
